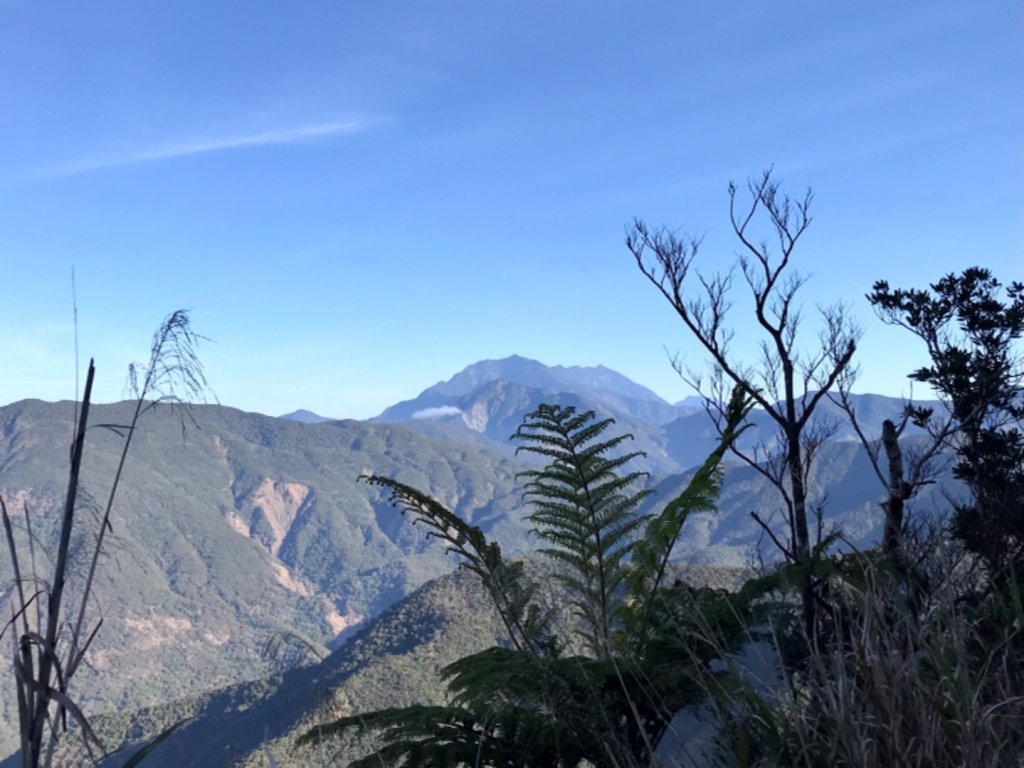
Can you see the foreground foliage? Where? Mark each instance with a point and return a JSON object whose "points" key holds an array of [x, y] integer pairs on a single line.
{"points": [[541, 701], [971, 334], [904, 677], [912, 661], [914, 657], [51, 641]]}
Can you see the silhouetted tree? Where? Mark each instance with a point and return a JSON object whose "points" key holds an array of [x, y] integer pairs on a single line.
{"points": [[902, 471], [972, 336], [790, 379]]}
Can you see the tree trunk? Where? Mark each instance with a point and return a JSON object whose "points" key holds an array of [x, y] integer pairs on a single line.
{"points": [[801, 538], [799, 534], [897, 492]]}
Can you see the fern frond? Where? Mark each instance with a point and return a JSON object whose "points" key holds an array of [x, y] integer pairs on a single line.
{"points": [[652, 553], [528, 626], [417, 735], [584, 508]]}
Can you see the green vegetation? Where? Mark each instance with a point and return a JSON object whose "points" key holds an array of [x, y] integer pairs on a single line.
{"points": [[395, 660], [531, 704], [203, 595], [970, 335], [905, 666], [903, 675], [584, 511]]}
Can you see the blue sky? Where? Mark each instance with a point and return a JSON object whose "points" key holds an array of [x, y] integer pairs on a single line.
{"points": [[356, 200]]}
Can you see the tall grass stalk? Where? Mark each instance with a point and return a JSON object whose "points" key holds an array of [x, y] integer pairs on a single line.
{"points": [[49, 650]]}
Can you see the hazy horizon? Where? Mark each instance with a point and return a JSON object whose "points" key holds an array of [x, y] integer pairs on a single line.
{"points": [[356, 202]]}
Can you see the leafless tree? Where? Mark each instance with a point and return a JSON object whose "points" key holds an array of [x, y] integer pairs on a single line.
{"points": [[789, 379], [901, 472]]}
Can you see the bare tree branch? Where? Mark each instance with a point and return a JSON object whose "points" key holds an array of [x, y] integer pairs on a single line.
{"points": [[781, 384]]}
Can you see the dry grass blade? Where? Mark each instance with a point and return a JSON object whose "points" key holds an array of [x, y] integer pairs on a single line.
{"points": [[46, 658], [894, 682], [174, 376]]}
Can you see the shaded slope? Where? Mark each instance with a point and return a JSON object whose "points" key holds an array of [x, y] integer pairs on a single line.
{"points": [[393, 661]]}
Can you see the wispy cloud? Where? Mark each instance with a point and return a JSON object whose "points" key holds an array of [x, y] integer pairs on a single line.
{"points": [[208, 144], [438, 412]]}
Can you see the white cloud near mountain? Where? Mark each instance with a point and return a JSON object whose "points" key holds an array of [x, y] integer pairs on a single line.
{"points": [[437, 412]]}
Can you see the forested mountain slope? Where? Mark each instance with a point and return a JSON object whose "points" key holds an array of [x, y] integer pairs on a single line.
{"points": [[238, 527]]}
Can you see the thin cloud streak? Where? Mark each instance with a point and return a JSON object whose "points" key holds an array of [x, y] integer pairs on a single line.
{"points": [[190, 147]]}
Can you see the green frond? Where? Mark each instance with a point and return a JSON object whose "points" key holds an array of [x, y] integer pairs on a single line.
{"points": [[555, 454], [530, 705], [417, 735], [402, 717], [584, 509], [492, 675], [581, 433], [599, 451], [545, 491], [616, 484], [508, 708], [652, 552], [512, 594]]}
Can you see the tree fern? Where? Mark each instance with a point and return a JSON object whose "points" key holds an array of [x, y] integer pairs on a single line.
{"points": [[584, 509], [528, 626], [529, 705]]}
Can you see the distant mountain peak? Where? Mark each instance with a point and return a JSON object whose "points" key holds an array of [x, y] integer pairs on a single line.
{"points": [[691, 404], [305, 417], [533, 373], [499, 392]]}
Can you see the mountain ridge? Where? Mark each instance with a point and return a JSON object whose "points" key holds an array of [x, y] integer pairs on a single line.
{"points": [[491, 397], [597, 384], [306, 417]]}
